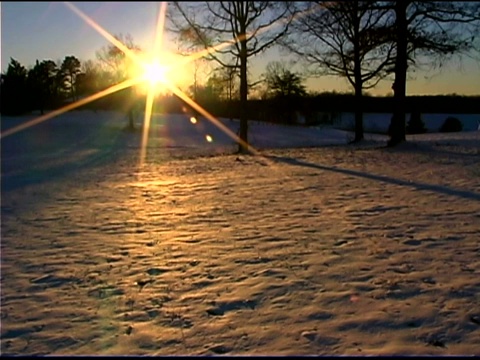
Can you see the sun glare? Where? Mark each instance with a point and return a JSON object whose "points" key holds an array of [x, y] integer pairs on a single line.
{"points": [[158, 73], [155, 73]]}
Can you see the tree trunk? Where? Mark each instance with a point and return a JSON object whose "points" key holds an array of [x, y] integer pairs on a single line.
{"points": [[397, 127], [72, 88], [243, 144], [358, 77], [42, 104], [41, 99], [131, 118], [195, 90], [358, 112], [130, 110]]}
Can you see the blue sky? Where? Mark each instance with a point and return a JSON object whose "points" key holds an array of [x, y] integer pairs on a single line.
{"points": [[50, 30]]}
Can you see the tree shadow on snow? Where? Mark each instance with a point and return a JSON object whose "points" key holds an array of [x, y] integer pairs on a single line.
{"points": [[412, 184]]}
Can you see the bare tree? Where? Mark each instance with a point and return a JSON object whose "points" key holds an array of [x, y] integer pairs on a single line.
{"points": [[226, 80], [114, 60], [350, 39], [189, 44], [248, 27], [90, 78], [282, 82], [229, 76], [428, 33], [117, 64]]}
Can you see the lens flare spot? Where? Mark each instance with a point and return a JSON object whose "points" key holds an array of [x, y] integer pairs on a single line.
{"points": [[209, 138], [193, 120]]}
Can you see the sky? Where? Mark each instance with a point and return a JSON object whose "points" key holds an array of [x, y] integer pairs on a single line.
{"points": [[50, 30]]}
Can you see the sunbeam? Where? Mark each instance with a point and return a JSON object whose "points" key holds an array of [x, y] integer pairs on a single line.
{"points": [[146, 125], [151, 89], [104, 33], [212, 119], [212, 49], [160, 27], [153, 80]]}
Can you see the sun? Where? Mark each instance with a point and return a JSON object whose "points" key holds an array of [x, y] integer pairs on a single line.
{"points": [[155, 73], [160, 72]]}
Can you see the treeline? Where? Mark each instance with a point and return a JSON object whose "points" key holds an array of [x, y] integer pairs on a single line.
{"points": [[364, 42], [48, 86], [432, 104], [311, 106]]}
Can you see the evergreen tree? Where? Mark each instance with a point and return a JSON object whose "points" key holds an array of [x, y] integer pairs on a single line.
{"points": [[14, 89], [415, 124], [42, 83], [69, 70]]}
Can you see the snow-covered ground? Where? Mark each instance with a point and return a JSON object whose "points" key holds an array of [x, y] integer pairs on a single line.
{"points": [[311, 247]]}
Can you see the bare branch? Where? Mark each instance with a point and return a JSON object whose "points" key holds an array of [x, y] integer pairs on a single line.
{"points": [[248, 27]]}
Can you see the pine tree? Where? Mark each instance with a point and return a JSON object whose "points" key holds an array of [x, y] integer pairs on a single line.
{"points": [[415, 124]]}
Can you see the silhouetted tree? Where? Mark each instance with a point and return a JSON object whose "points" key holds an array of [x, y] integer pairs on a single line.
{"points": [[229, 78], [117, 64], [42, 80], [249, 27], [451, 124], [69, 70], [284, 88], [209, 92], [87, 79], [432, 31], [416, 125], [282, 82], [350, 39], [220, 85], [189, 44], [14, 89]]}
